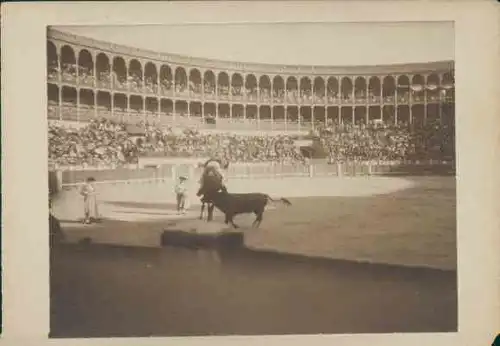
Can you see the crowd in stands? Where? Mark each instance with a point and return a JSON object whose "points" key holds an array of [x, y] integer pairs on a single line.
{"points": [[99, 143], [103, 142], [235, 148], [293, 94], [377, 141]]}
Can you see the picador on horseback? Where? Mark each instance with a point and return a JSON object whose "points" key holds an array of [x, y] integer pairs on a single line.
{"points": [[213, 169], [212, 180]]}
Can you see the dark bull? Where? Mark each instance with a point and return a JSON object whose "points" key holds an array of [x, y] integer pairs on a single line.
{"points": [[232, 204]]}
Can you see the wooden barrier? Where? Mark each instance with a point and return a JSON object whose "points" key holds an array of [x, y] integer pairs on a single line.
{"points": [[55, 182], [170, 172]]}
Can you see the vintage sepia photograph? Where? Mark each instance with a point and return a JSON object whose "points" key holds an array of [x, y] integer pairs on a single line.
{"points": [[252, 179]]}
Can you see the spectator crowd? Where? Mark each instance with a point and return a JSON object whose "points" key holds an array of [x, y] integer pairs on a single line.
{"points": [[377, 141], [98, 143], [183, 85], [103, 142]]}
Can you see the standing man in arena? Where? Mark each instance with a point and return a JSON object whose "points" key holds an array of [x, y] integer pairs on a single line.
{"points": [[90, 205], [181, 195]]}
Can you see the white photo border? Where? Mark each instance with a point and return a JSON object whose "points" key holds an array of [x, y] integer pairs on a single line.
{"points": [[24, 140]]}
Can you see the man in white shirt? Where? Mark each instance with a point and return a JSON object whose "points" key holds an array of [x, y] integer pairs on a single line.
{"points": [[90, 205], [181, 194]]}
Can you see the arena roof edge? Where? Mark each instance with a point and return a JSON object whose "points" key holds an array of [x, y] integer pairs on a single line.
{"points": [[246, 67]]}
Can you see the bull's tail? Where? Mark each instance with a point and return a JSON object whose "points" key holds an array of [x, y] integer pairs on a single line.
{"points": [[281, 199]]}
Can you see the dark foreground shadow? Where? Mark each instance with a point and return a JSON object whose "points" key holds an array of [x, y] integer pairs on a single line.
{"points": [[106, 291]]}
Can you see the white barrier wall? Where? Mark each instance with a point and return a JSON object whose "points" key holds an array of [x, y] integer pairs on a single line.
{"points": [[171, 171]]}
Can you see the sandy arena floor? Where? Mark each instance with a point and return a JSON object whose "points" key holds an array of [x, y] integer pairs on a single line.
{"points": [[403, 221]]}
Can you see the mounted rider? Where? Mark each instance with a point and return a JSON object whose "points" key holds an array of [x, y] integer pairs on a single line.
{"points": [[215, 166]]}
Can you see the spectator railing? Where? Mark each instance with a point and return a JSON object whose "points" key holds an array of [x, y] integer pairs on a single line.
{"points": [[418, 98], [360, 100], [209, 96], [166, 91]]}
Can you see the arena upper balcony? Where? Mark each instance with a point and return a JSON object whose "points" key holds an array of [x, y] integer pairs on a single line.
{"points": [[89, 78]]}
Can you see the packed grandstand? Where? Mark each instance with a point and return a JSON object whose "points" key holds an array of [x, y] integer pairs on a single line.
{"points": [[186, 107]]}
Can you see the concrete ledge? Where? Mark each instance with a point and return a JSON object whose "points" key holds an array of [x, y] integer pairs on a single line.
{"points": [[197, 241], [201, 234]]}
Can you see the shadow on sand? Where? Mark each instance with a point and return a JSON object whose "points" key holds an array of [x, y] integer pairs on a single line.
{"points": [[111, 291]]}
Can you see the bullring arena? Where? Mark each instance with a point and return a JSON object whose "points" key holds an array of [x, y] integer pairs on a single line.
{"points": [[364, 241], [365, 154], [323, 221]]}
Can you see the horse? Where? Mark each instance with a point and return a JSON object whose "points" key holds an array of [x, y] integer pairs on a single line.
{"points": [[211, 182]]}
